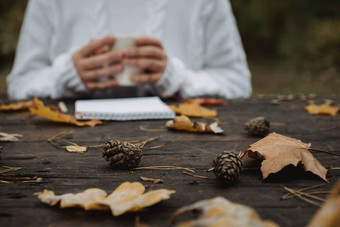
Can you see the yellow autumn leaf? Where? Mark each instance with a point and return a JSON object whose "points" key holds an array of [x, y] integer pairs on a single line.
{"points": [[128, 197], [325, 108], [220, 212], [43, 111], [193, 110], [183, 123], [16, 106]]}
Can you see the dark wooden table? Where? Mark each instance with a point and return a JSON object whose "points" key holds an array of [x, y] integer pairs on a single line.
{"points": [[65, 172]]}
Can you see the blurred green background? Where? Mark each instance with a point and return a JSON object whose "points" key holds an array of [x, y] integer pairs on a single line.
{"points": [[293, 46]]}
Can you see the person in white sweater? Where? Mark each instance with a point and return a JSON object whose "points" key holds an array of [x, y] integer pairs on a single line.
{"points": [[189, 48]]}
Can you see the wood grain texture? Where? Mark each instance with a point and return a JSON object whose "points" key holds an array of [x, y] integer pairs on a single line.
{"points": [[65, 172]]}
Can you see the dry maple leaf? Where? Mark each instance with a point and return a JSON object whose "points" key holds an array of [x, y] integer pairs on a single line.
{"points": [[279, 151], [325, 108], [203, 101], [329, 213], [220, 212], [128, 197], [183, 123], [43, 111], [16, 106], [193, 110]]}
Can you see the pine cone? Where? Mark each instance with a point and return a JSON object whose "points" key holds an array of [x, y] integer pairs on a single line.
{"points": [[122, 154], [227, 167], [257, 127]]}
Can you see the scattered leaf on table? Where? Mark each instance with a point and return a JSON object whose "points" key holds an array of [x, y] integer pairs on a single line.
{"points": [[76, 148], [325, 108], [279, 151], [220, 212], [16, 106], [41, 110], [203, 101], [128, 197], [193, 110], [329, 213], [154, 180], [9, 137], [183, 123]]}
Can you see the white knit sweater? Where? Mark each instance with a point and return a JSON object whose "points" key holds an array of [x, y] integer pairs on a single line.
{"points": [[201, 39]]}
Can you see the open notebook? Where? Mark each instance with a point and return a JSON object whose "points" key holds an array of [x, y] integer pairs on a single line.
{"points": [[123, 109]]}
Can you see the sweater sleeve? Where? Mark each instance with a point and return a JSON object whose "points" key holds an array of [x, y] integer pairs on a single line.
{"points": [[35, 72], [224, 72]]}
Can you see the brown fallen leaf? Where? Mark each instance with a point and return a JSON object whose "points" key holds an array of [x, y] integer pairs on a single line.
{"points": [[203, 101], [325, 108], [220, 212], [16, 106], [41, 110], [279, 151], [329, 214], [193, 110], [154, 180], [183, 123], [128, 197], [9, 137]]}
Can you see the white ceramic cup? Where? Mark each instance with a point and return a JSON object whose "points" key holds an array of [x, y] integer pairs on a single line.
{"points": [[123, 78]]}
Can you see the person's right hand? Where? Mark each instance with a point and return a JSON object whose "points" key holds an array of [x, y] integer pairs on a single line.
{"points": [[96, 66]]}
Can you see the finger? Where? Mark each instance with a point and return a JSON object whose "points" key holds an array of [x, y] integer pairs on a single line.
{"points": [[145, 63], [102, 50], [95, 74], [145, 40], [102, 59], [146, 77], [145, 51], [98, 85], [90, 48]]}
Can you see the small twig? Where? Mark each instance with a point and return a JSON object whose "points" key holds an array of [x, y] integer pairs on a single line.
{"points": [[328, 152], [60, 135], [9, 169], [288, 195], [278, 124], [152, 129], [164, 168], [251, 168], [5, 182], [301, 197], [337, 168], [194, 175], [154, 147], [148, 140]]}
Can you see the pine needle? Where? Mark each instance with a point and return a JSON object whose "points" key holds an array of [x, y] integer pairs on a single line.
{"points": [[164, 168], [9, 169], [152, 129], [300, 195], [194, 175], [291, 195]]}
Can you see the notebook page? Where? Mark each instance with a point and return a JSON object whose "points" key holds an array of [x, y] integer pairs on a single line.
{"points": [[123, 109]]}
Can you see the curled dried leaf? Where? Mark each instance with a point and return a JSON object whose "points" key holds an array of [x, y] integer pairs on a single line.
{"points": [[329, 213], [183, 123], [128, 197], [220, 212], [43, 111], [193, 110]]}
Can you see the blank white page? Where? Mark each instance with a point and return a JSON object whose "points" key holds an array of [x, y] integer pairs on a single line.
{"points": [[123, 109]]}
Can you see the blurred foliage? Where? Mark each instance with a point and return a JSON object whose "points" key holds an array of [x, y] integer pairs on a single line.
{"points": [[11, 17], [305, 33]]}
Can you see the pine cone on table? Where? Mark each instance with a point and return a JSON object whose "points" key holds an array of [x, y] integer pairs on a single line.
{"points": [[257, 127], [227, 167], [122, 154]]}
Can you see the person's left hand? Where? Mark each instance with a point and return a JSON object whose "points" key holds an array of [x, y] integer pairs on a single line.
{"points": [[148, 55]]}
